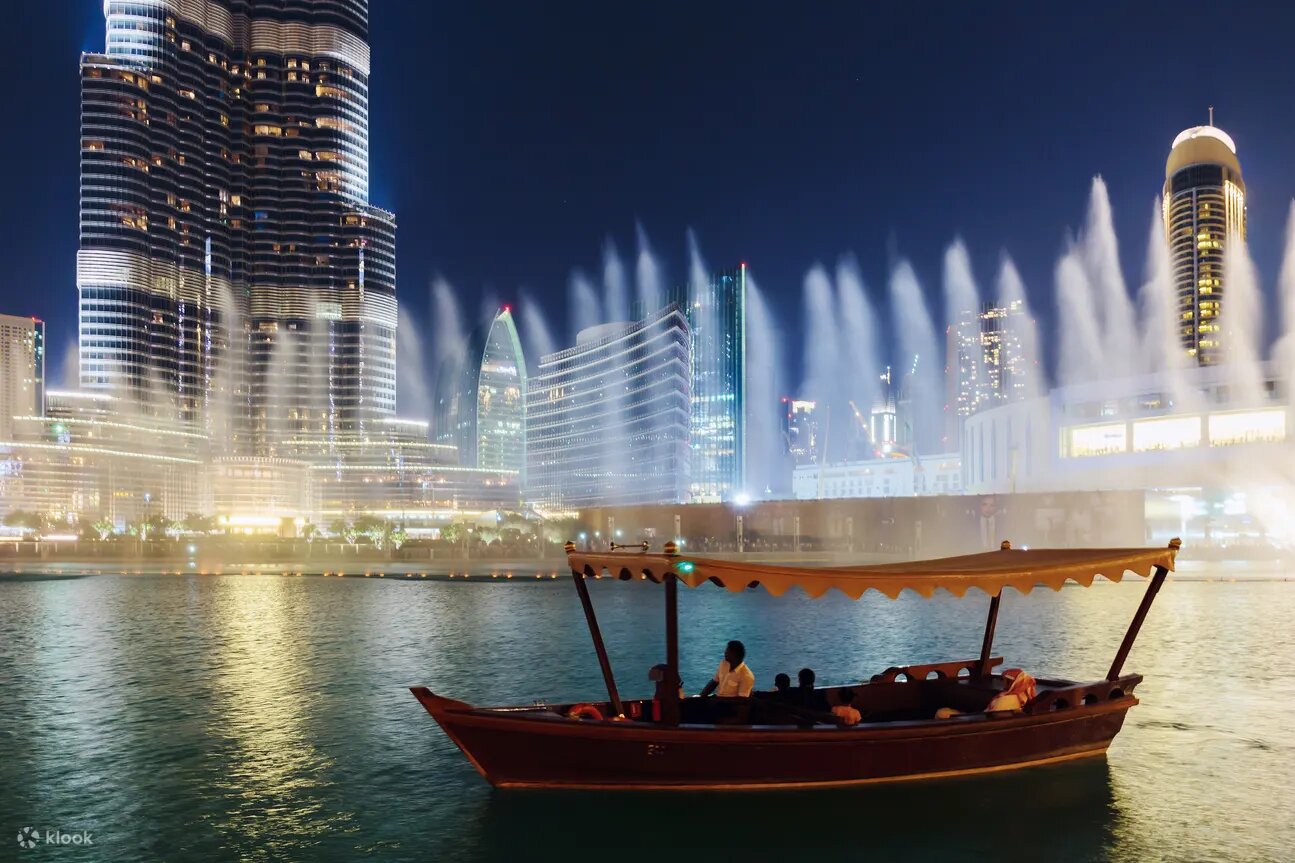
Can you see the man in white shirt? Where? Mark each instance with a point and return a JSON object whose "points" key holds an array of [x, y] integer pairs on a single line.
{"points": [[732, 679]]}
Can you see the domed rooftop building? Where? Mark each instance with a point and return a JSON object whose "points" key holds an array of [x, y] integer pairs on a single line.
{"points": [[1204, 208]]}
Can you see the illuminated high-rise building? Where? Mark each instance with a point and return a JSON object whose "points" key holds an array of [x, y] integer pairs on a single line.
{"points": [[608, 420], [988, 360], [22, 370], [1204, 206], [802, 432], [481, 399], [228, 250]]}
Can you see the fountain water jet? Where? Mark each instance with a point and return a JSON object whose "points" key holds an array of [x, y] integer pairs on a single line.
{"points": [[919, 367], [412, 393], [585, 307], [764, 447], [651, 291], [1010, 290], [616, 306], [1100, 254], [535, 330], [1241, 325]]}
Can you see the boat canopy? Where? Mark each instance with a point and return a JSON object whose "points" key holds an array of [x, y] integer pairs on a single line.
{"points": [[989, 571]]}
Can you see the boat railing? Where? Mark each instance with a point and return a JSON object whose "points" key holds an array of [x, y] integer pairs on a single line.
{"points": [[959, 669], [1050, 698]]}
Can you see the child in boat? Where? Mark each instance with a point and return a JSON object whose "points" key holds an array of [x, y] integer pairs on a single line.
{"points": [[782, 688], [807, 696], [845, 712]]}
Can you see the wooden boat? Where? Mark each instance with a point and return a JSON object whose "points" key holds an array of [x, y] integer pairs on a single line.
{"points": [[712, 743]]}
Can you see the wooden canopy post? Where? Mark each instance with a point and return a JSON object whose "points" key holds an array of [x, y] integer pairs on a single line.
{"points": [[603, 662], [1157, 579], [991, 623], [670, 704], [987, 646]]}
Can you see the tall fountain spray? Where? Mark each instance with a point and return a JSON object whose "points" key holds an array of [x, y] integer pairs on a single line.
{"points": [[413, 394], [1010, 292], [616, 303], [1100, 254], [1241, 325], [857, 338], [585, 309], [1284, 350], [650, 292], [920, 367], [763, 385], [961, 296], [822, 351], [536, 335]]}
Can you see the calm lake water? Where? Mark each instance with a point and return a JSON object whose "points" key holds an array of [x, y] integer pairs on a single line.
{"points": [[266, 717]]}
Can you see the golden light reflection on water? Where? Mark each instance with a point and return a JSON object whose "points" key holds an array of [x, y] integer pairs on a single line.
{"points": [[273, 781]]}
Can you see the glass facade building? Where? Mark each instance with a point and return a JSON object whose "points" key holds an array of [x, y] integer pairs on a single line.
{"points": [[717, 321], [1204, 207], [988, 356], [231, 268], [22, 370], [608, 420], [480, 399]]}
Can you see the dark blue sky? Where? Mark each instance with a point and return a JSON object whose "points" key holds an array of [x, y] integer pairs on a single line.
{"points": [[512, 139]]}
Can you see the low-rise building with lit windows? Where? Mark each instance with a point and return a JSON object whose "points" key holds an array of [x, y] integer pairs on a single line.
{"points": [[902, 476], [1132, 434]]}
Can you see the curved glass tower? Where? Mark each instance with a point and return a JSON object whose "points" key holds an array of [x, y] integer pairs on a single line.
{"points": [[608, 420], [1204, 205], [481, 399], [230, 265]]}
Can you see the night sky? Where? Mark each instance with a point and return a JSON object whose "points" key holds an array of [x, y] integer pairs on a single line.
{"points": [[513, 139]]}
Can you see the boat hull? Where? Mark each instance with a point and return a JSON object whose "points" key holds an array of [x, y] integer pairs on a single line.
{"points": [[533, 749]]}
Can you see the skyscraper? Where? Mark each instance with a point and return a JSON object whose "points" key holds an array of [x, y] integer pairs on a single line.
{"points": [[1204, 206], [717, 321], [481, 399], [988, 360], [608, 420], [802, 432], [22, 370], [230, 264]]}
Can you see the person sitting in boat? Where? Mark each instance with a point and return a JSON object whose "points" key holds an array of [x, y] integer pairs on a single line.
{"points": [[806, 695], [845, 712], [1018, 692], [733, 679], [782, 688]]}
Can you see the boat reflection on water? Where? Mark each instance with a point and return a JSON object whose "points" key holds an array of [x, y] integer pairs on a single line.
{"points": [[1058, 813]]}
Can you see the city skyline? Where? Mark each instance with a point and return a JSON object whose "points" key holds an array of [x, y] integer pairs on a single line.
{"points": [[1130, 160]]}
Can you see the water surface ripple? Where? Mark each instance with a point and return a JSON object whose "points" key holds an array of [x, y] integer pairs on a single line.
{"points": [[266, 717]]}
